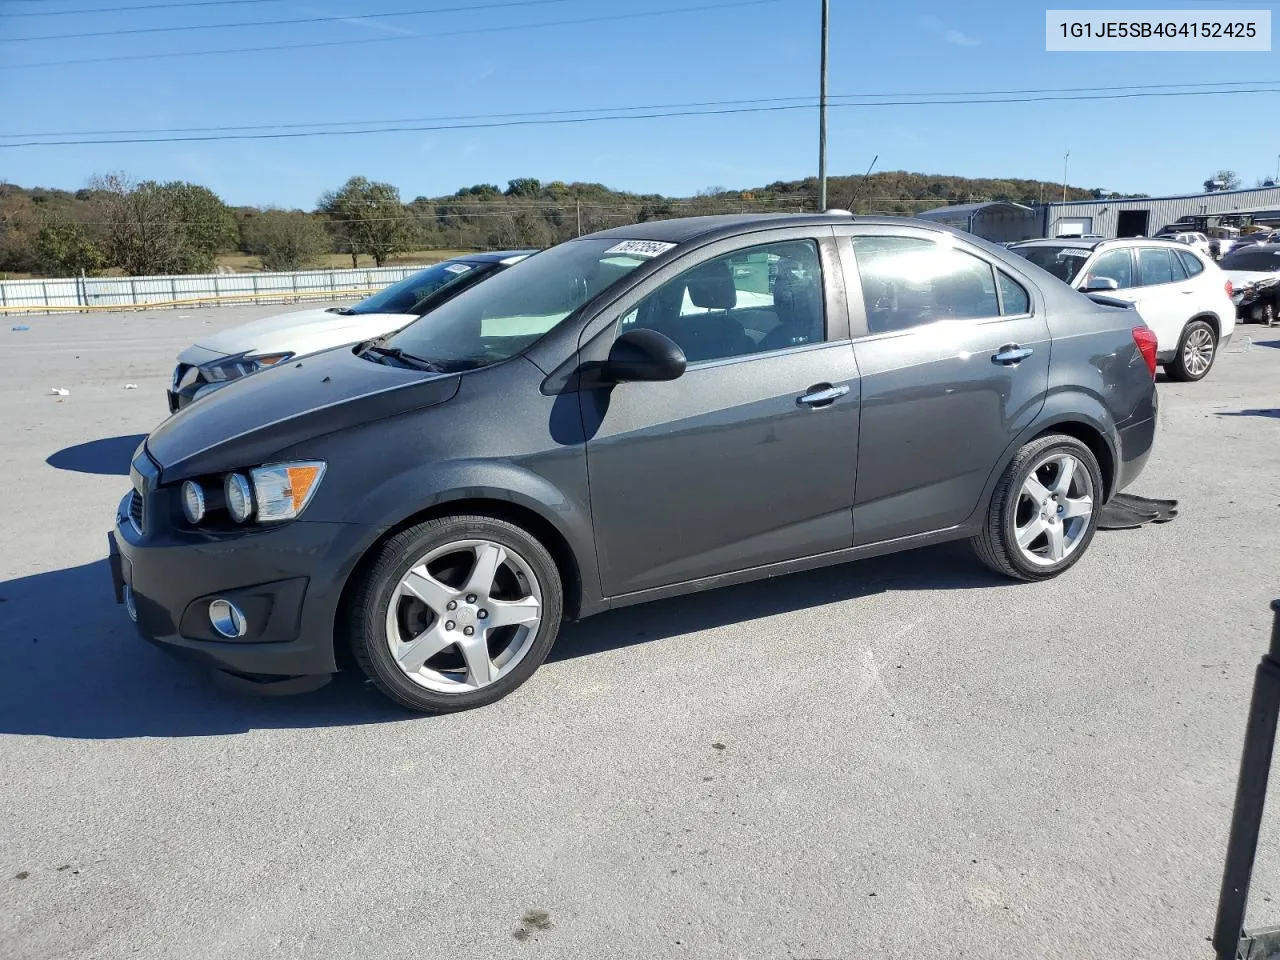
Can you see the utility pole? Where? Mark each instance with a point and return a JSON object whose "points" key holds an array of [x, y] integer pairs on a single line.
{"points": [[822, 114], [1278, 168], [578, 205], [1065, 157]]}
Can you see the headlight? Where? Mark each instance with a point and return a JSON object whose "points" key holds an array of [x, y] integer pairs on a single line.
{"points": [[232, 368], [283, 490], [193, 501], [239, 497]]}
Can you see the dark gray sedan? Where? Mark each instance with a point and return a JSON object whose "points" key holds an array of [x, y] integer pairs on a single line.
{"points": [[636, 414]]}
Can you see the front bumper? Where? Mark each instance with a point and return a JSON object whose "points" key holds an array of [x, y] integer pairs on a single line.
{"points": [[286, 579]]}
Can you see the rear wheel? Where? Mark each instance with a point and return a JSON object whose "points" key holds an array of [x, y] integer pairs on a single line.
{"points": [[1044, 510], [1265, 313], [1197, 350], [455, 613]]}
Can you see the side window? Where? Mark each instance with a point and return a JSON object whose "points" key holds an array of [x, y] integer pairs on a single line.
{"points": [[1155, 266], [750, 301], [1016, 299], [1191, 263], [908, 282], [1113, 265], [1175, 262]]}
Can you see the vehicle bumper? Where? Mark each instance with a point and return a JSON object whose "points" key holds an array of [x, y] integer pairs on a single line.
{"points": [[286, 580]]}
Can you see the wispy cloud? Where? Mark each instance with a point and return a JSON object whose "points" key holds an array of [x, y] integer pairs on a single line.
{"points": [[948, 33], [375, 25]]}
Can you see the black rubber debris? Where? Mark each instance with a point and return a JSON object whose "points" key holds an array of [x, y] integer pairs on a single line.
{"points": [[1125, 511]]}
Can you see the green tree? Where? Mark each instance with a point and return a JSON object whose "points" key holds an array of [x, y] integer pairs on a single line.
{"points": [[140, 234], [524, 187], [65, 248], [367, 217], [284, 239], [208, 226], [1222, 180]]}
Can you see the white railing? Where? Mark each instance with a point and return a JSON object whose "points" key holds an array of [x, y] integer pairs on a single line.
{"points": [[72, 294]]}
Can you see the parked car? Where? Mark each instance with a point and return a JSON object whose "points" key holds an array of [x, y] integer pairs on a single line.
{"points": [[1178, 290], [568, 438], [1196, 240], [1222, 240], [1257, 236], [230, 354], [1254, 271]]}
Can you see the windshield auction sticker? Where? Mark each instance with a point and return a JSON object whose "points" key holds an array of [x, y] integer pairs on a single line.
{"points": [[1137, 31], [641, 248]]}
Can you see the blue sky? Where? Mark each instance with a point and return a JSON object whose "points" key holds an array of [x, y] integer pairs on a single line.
{"points": [[762, 51]]}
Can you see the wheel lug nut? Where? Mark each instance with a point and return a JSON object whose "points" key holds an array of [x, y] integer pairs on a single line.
{"points": [[482, 614], [469, 630], [453, 605], [449, 624], [471, 598]]}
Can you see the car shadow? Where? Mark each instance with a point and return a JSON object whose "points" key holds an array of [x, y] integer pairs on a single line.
{"points": [[1256, 412], [110, 456], [949, 566], [1267, 343], [73, 666]]}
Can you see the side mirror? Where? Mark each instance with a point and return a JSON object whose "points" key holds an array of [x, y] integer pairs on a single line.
{"points": [[1101, 283], [640, 355]]}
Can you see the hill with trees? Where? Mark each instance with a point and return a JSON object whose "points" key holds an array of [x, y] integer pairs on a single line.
{"points": [[118, 225]]}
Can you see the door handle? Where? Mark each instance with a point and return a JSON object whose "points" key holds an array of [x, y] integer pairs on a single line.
{"points": [[1187, 293], [1011, 355], [823, 395]]}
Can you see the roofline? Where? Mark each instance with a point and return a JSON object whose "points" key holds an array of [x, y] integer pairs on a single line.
{"points": [[1176, 196]]}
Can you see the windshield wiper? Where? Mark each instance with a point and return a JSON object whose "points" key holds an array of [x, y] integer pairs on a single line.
{"points": [[378, 347]]}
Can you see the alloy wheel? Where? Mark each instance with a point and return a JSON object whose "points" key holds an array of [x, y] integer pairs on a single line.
{"points": [[1197, 352], [1054, 510], [463, 616]]}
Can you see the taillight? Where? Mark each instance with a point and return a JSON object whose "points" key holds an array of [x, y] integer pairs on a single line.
{"points": [[1146, 341], [1230, 290]]}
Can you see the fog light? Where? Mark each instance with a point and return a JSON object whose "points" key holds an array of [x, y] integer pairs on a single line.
{"points": [[239, 498], [193, 501], [227, 619], [130, 605]]}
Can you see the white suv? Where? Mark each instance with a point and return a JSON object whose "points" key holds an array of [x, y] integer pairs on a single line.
{"points": [[1178, 291]]}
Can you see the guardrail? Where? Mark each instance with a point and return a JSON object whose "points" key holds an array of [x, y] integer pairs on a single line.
{"points": [[85, 294], [1231, 940]]}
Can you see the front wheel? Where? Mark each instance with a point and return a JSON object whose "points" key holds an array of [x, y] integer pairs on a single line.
{"points": [[1197, 350], [1044, 510], [455, 613]]}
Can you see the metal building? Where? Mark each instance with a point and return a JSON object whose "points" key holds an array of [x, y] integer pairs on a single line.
{"points": [[999, 221], [1145, 217]]}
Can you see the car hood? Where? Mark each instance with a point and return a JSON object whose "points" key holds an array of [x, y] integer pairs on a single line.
{"points": [[249, 420], [300, 332]]}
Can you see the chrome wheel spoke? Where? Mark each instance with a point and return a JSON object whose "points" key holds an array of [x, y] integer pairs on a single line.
{"points": [[509, 613], [1057, 546], [1027, 535], [1066, 469], [489, 557], [413, 655], [1077, 507], [1034, 489], [428, 589], [475, 651]]}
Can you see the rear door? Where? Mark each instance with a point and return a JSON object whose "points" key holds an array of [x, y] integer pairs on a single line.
{"points": [[953, 350], [1164, 296]]}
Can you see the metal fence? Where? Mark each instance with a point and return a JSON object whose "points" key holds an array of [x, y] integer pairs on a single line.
{"points": [[122, 293]]}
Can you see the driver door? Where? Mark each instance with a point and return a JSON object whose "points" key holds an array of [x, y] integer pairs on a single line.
{"points": [[749, 457]]}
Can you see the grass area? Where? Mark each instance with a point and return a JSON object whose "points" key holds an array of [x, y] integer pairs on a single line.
{"points": [[244, 263]]}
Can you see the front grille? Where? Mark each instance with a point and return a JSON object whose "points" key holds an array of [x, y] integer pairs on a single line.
{"points": [[135, 512]]}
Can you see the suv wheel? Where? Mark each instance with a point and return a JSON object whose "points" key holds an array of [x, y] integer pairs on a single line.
{"points": [[1197, 350], [1044, 510], [455, 613]]}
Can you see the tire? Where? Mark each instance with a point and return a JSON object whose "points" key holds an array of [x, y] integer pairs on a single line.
{"points": [[1189, 365], [390, 625], [1014, 509], [1267, 315]]}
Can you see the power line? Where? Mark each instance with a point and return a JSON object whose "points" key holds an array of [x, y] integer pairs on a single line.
{"points": [[806, 100], [364, 40], [148, 6], [184, 28], [629, 116]]}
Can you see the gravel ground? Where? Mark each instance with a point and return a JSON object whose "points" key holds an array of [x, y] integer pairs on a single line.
{"points": [[901, 758]]}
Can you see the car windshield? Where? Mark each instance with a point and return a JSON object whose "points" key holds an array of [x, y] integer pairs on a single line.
{"points": [[497, 319], [1064, 262], [1252, 259], [400, 297]]}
